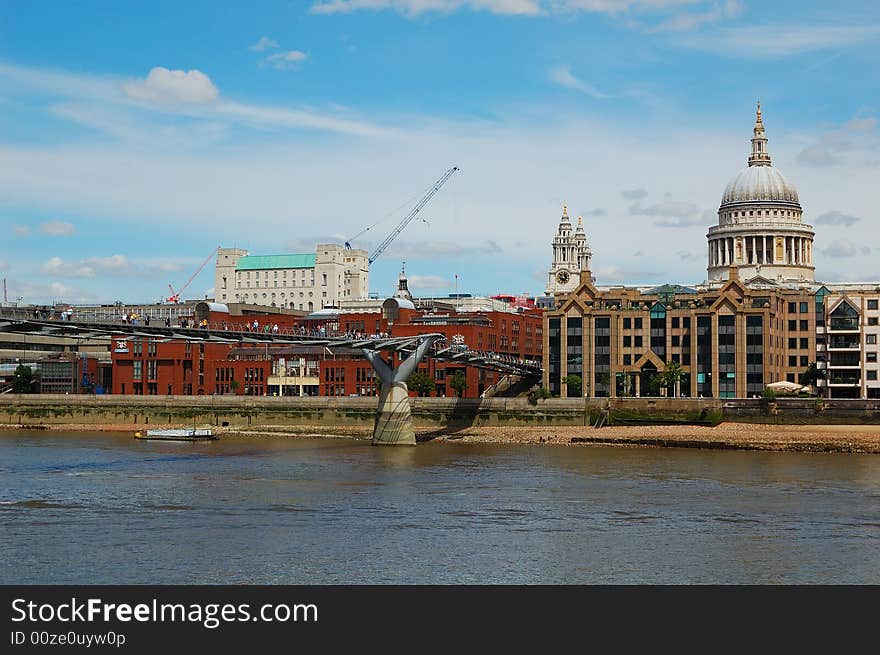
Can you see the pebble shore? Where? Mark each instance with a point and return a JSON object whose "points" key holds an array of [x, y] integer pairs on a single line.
{"points": [[735, 436]]}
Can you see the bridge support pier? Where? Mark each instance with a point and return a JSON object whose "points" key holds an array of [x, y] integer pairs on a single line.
{"points": [[393, 426]]}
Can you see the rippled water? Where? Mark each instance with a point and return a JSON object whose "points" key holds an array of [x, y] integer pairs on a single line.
{"points": [[103, 508]]}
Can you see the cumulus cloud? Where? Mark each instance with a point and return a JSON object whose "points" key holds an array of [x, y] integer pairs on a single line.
{"points": [[21, 230], [673, 213], [285, 60], [428, 282], [56, 228], [855, 137], [265, 43], [115, 265], [563, 76], [163, 86], [845, 248], [634, 194], [57, 266], [836, 218]]}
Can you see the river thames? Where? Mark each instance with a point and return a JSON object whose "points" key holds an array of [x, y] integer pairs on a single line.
{"points": [[103, 508]]}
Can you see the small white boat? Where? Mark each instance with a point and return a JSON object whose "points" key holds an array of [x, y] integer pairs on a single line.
{"points": [[178, 434]]}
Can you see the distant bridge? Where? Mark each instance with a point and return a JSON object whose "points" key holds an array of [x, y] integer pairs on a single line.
{"points": [[439, 349]]}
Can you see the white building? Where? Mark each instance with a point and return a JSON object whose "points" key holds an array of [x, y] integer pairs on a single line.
{"points": [[759, 223], [301, 281], [571, 255]]}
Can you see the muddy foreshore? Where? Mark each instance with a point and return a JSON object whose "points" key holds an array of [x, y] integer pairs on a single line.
{"points": [[731, 436]]}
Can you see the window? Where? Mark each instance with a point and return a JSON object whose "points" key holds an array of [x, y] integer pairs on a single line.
{"points": [[872, 320], [638, 341], [804, 326], [792, 360], [872, 375], [676, 340], [792, 307], [627, 342], [803, 308], [792, 326], [627, 360], [805, 361], [637, 323], [870, 338], [137, 369], [627, 323], [872, 304], [804, 343], [871, 357], [792, 343], [686, 322]]}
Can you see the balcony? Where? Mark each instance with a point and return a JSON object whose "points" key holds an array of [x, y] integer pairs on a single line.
{"points": [[844, 325], [846, 379]]}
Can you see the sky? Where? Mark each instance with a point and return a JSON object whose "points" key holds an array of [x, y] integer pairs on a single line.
{"points": [[137, 137]]}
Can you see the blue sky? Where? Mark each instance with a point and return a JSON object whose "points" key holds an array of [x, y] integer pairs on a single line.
{"points": [[136, 137]]}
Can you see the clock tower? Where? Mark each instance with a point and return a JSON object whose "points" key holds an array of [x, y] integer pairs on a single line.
{"points": [[571, 255]]}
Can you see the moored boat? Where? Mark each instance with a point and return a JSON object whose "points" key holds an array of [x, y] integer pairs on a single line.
{"points": [[178, 434]]}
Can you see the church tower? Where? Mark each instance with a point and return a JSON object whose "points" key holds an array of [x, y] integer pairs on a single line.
{"points": [[571, 255]]}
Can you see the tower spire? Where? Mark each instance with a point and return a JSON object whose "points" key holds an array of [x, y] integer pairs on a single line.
{"points": [[760, 155]]}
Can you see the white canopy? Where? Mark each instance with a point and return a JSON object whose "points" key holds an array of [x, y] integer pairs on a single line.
{"points": [[785, 385]]}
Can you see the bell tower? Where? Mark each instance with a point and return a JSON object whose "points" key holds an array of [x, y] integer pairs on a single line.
{"points": [[571, 255]]}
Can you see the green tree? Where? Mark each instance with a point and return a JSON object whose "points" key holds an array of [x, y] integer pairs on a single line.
{"points": [[458, 383], [22, 379], [810, 375], [575, 384], [234, 385], [670, 377], [537, 393], [421, 383]]}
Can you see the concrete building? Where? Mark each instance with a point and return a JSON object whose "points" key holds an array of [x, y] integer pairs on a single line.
{"points": [[759, 318], [302, 281]]}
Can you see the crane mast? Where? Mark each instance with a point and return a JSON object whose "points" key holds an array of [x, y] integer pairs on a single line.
{"points": [[415, 210], [175, 295]]}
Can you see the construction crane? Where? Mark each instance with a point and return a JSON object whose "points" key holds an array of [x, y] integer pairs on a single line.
{"points": [[175, 295], [406, 220]]}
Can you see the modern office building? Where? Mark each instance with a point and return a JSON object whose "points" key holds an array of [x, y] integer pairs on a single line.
{"points": [[760, 317]]}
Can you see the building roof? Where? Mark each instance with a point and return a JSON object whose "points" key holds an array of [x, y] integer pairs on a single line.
{"points": [[261, 262], [759, 184]]}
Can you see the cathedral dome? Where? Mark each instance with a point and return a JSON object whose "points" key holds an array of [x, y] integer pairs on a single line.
{"points": [[759, 184]]}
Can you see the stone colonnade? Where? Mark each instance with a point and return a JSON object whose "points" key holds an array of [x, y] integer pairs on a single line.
{"points": [[761, 249]]}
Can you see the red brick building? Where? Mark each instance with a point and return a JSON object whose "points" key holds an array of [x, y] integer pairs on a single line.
{"points": [[155, 367]]}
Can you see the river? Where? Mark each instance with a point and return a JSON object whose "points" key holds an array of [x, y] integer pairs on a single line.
{"points": [[103, 508]]}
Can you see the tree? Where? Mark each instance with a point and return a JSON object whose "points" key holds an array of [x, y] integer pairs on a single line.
{"points": [[458, 383], [421, 383], [22, 379], [575, 384], [810, 375], [537, 393], [670, 378], [234, 385]]}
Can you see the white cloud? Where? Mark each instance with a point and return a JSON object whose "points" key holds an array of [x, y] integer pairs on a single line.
{"points": [[562, 76], [285, 60], [163, 86], [21, 230], [57, 228], [4, 266], [105, 104], [634, 194], [836, 218], [691, 20], [428, 282], [265, 43], [674, 213], [778, 40], [857, 138], [845, 248], [417, 7], [57, 266]]}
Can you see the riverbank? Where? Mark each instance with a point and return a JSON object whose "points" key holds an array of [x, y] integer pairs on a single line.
{"points": [[728, 436]]}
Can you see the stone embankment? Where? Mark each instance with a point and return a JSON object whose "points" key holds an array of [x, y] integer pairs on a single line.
{"points": [[787, 424]]}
